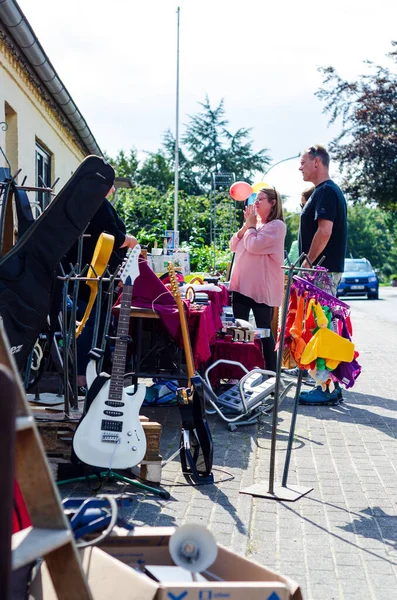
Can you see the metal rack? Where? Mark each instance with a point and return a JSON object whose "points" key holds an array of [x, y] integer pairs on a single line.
{"points": [[269, 489]]}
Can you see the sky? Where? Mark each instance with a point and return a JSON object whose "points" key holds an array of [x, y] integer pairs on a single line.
{"points": [[118, 62]]}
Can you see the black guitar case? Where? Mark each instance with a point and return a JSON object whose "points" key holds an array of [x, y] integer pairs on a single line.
{"points": [[28, 270]]}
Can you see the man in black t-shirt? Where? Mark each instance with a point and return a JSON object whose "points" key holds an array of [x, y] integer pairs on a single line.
{"points": [[323, 224], [323, 233]]}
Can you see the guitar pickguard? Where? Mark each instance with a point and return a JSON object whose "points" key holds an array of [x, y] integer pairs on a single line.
{"points": [[116, 439]]}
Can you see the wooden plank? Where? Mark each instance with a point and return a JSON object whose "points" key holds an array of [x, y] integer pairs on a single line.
{"points": [[74, 586], [34, 476], [33, 542], [23, 423], [7, 445], [42, 501]]}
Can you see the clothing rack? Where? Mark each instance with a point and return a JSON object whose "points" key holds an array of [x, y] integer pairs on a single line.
{"points": [[269, 489]]}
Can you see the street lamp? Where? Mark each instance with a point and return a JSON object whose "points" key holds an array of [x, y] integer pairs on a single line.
{"points": [[280, 161]]}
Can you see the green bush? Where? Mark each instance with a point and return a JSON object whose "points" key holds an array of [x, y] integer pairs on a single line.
{"points": [[202, 259]]}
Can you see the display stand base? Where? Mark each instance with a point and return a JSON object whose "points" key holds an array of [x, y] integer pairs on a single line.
{"points": [[289, 493], [112, 475]]}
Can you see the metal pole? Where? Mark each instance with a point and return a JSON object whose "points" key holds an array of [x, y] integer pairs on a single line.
{"points": [[176, 182], [277, 387], [279, 162], [292, 430]]}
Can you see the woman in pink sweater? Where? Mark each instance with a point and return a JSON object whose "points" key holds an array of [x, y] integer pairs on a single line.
{"points": [[257, 280]]}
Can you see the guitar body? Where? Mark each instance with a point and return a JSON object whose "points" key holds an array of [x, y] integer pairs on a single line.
{"points": [[197, 450], [112, 436], [27, 271]]}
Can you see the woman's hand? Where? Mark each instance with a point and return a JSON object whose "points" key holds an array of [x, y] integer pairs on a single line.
{"points": [[250, 216], [250, 220]]}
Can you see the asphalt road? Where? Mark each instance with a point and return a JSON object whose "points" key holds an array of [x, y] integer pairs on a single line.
{"points": [[384, 309]]}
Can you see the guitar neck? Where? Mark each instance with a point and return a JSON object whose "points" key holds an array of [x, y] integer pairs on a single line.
{"points": [[120, 350], [184, 328]]}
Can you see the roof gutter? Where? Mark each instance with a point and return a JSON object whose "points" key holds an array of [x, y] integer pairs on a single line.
{"points": [[20, 30]]}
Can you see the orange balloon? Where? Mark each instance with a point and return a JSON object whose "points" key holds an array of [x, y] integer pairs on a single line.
{"points": [[240, 190]]}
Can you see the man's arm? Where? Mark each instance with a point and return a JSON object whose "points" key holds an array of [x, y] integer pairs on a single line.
{"points": [[320, 240], [129, 242]]}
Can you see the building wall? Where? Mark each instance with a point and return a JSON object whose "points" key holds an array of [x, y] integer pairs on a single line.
{"points": [[32, 120]]}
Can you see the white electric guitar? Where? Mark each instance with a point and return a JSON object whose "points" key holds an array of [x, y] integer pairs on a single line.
{"points": [[111, 434]]}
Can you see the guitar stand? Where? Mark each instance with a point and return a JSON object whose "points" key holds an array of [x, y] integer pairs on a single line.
{"points": [[112, 475]]}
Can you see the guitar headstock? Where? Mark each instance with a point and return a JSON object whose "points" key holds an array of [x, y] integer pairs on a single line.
{"points": [[130, 267], [174, 285]]}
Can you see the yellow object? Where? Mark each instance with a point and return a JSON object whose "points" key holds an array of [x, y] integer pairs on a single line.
{"points": [[331, 364], [258, 186], [99, 262], [329, 345], [320, 317]]}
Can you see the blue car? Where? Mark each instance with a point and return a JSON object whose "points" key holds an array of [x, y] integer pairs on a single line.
{"points": [[359, 279]]}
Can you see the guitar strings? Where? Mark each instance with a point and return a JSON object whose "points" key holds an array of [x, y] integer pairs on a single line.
{"points": [[113, 453]]}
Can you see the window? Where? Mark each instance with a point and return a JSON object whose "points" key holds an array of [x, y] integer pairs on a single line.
{"points": [[43, 175], [11, 137]]}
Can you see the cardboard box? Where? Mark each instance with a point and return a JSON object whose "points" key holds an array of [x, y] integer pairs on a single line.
{"points": [[231, 577], [112, 573], [108, 578]]}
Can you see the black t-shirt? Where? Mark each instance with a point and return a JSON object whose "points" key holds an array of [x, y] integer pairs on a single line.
{"points": [[105, 220], [327, 202]]}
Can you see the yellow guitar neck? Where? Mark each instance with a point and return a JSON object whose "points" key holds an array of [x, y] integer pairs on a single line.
{"points": [[184, 328]]}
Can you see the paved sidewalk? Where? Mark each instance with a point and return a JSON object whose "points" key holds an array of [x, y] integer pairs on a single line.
{"points": [[339, 541]]}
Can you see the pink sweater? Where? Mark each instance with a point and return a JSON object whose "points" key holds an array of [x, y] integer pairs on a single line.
{"points": [[257, 264]]}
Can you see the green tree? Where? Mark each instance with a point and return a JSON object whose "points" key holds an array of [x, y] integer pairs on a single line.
{"points": [[370, 236], [155, 171], [212, 148], [292, 220], [367, 146], [147, 213], [125, 166], [239, 158], [187, 178]]}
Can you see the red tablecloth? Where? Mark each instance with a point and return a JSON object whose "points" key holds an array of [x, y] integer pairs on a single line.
{"points": [[247, 353], [203, 323]]}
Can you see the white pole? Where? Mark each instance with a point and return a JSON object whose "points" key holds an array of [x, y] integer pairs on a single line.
{"points": [[278, 162], [176, 131]]}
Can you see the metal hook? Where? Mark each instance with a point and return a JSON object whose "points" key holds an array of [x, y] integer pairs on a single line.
{"points": [[4, 127]]}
